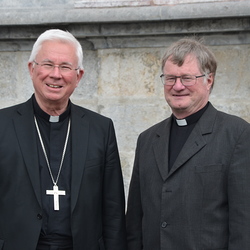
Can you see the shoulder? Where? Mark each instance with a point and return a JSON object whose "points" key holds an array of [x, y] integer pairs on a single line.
{"points": [[15, 109], [214, 117], [224, 124], [231, 121], [92, 116], [234, 126], [157, 129]]}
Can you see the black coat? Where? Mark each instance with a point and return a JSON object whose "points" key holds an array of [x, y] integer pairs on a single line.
{"points": [[97, 192], [203, 203]]}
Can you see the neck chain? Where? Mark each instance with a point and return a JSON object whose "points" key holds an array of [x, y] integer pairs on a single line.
{"points": [[45, 154]]}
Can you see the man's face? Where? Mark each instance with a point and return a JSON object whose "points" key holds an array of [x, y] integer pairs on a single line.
{"points": [[185, 101], [53, 86]]}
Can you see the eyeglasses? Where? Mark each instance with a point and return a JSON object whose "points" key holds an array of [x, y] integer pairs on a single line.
{"points": [[186, 80], [64, 68]]}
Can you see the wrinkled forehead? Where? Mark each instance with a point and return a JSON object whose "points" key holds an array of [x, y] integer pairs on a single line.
{"points": [[57, 50]]}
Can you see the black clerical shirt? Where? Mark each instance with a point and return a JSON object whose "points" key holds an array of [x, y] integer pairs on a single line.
{"points": [[56, 224], [179, 134]]}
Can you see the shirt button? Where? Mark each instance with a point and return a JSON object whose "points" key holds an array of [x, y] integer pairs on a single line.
{"points": [[164, 224], [39, 216]]}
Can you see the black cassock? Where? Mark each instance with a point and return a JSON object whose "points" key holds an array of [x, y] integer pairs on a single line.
{"points": [[56, 224]]}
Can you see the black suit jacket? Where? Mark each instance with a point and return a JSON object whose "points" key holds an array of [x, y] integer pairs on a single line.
{"points": [[97, 193], [203, 203]]}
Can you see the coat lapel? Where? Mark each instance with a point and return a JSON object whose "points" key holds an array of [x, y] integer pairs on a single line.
{"points": [[193, 145], [26, 134], [196, 140], [160, 147], [80, 137]]}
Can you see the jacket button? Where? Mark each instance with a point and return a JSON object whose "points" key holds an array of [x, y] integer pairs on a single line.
{"points": [[164, 224], [39, 216]]}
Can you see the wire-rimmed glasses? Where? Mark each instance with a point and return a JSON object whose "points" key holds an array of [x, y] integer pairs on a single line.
{"points": [[186, 80], [49, 66]]}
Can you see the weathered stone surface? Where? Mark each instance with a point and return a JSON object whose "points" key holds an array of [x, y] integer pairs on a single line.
{"points": [[122, 57], [45, 12]]}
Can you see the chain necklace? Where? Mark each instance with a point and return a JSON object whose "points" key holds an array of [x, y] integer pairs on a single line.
{"points": [[55, 192]]}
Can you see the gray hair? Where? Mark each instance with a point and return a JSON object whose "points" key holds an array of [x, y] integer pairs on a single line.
{"points": [[57, 35], [178, 51]]}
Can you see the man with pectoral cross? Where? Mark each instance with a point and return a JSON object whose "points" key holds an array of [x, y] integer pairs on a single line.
{"points": [[61, 184]]}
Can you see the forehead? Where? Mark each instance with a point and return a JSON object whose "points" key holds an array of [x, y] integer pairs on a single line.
{"points": [[190, 65], [57, 51]]}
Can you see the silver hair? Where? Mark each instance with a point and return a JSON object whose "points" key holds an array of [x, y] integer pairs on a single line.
{"points": [[57, 35]]}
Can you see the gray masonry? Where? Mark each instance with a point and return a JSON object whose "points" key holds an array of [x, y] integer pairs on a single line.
{"points": [[123, 42]]}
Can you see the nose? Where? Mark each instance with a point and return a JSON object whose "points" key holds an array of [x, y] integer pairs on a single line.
{"points": [[55, 72], [178, 85]]}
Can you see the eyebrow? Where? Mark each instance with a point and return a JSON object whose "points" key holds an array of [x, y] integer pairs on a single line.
{"points": [[179, 75], [63, 63]]}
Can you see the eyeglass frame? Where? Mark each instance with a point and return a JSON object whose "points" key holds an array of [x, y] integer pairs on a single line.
{"points": [[181, 79], [55, 65]]}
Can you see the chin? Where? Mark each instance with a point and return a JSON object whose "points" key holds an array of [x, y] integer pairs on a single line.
{"points": [[178, 106]]}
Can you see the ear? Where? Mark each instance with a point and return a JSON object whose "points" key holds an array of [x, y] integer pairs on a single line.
{"points": [[31, 68], [210, 81], [79, 76]]}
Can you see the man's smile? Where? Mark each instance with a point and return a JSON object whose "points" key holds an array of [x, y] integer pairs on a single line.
{"points": [[54, 86]]}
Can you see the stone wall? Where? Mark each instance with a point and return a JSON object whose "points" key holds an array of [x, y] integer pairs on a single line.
{"points": [[123, 43]]}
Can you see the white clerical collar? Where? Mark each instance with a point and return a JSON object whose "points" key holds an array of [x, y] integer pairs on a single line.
{"points": [[54, 118], [181, 122]]}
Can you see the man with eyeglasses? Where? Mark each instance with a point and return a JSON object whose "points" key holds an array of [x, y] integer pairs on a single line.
{"points": [[190, 186], [61, 184]]}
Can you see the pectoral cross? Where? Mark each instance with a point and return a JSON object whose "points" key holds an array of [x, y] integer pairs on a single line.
{"points": [[56, 194]]}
